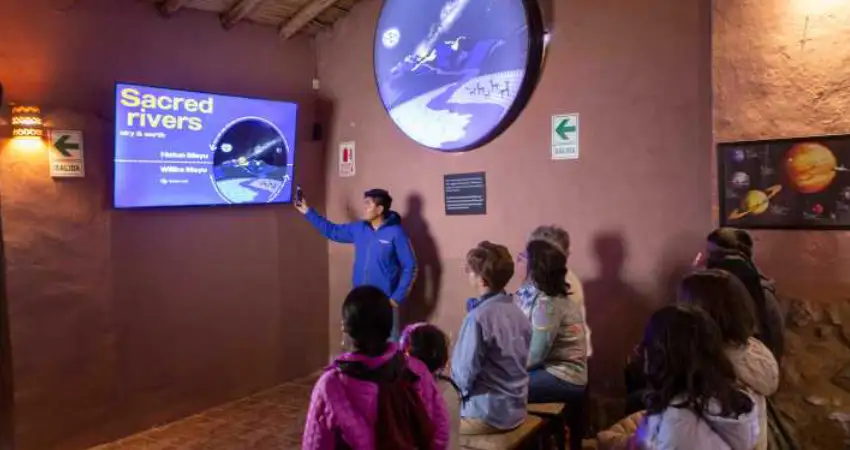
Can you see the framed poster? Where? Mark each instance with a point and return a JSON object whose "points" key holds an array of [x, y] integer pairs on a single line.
{"points": [[454, 74], [801, 183]]}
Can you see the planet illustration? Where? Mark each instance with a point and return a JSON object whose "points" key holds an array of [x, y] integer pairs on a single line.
{"points": [[810, 167], [739, 155], [741, 180], [755, 202]]}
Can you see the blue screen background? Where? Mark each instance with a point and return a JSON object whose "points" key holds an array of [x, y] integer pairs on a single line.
{"points": [[243, 153]]}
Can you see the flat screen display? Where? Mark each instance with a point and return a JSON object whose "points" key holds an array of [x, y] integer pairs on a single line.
{"points": [[181, 148], [453, 74]]}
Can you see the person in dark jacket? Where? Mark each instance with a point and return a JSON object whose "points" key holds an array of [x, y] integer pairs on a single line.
{"points": [[731, 250], [383, 256]]}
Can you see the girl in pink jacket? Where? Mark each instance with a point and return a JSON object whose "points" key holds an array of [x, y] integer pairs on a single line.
{"points": [[375, 398]]}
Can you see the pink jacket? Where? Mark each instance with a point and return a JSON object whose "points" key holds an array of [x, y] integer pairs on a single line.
{"points": [[347, 408]]}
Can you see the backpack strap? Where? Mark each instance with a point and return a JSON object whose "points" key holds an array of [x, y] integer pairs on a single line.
{"points": [[451, 382]]}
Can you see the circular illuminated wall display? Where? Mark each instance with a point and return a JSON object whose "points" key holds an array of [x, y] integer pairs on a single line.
{"points": [[453, 74], [250, 161]]}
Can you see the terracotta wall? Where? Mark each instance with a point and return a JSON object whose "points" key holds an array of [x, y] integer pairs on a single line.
{"points": [[122, 320], [780, 70], [638, 202]]}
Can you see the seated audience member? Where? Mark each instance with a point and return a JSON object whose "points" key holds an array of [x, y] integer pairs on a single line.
{"points": [[781, 434], [430, 345], [557, 362], [375, 397], [559, 237], [489, 358], [731, 250], [692, 401], [727, 301]]}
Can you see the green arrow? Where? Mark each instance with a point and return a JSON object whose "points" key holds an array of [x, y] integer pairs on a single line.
{"points": [[63, 146], [563, 128]]}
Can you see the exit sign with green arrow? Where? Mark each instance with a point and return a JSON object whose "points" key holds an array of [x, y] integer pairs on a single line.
{"points": [[64, 147], [66, 154], [565, 129]]}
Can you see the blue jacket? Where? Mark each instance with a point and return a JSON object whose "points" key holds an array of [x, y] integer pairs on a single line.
{"points": [[382, 258]]}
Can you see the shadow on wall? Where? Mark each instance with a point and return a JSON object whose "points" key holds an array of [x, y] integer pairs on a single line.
{"points": [[676, 262], [422, 301], [616, 313]]}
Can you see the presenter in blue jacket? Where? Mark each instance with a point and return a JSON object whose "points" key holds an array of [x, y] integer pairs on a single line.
{"points": [[383, 256]]}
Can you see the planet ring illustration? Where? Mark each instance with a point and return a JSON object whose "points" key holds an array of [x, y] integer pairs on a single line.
{"points": [[755, 202]]}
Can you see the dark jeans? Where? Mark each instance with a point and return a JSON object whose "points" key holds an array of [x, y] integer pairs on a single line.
{"points": [[543, 387], [635, 386]]}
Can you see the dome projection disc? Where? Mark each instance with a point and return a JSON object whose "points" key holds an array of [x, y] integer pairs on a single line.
{"points": [[453, 74], [250, 161]]}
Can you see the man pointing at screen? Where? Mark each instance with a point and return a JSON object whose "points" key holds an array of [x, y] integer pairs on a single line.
{"points": [[383, 256]]}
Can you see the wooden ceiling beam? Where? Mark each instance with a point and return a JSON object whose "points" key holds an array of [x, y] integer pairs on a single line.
{"points": [[237, 12], [306, 14], [169, 7]]}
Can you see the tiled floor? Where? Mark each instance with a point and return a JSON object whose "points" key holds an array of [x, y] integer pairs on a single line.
{"points": [[269, 420]]}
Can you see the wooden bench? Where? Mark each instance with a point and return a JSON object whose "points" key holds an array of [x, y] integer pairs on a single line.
{"points": [[556, 414], [525, 436]]}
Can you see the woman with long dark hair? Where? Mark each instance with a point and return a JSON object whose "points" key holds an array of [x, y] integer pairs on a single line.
{"points": [[692, 400], [375, 397], [557, 362], [728, 303]]}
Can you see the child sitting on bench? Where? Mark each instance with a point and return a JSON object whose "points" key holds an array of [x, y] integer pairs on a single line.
{"points": [[430, 345], [489, 359]]}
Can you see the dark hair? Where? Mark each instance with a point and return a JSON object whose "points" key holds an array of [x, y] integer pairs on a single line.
{"points": [[493, 263], [745, 242], [547, 268], [381, 198], [367, 317], [427, 343], [725, 299], [685, 359], [730, 240], [747, 273]]}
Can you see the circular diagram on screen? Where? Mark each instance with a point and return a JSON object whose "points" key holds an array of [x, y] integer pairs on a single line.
{"points": [[453, 74], [250, 161]]}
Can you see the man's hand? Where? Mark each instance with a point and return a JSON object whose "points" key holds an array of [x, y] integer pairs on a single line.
{"points": [[302, 206]]}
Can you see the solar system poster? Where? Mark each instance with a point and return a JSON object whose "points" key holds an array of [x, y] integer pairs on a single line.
{"points": [[180, 148], [786, 184]]}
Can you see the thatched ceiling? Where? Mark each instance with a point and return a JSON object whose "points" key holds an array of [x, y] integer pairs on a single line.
{"points": [[289, 16]]}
